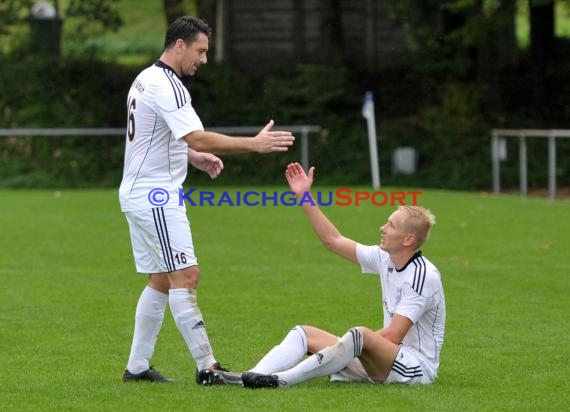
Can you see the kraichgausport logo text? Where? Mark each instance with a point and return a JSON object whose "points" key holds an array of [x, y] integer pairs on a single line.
{"points": [[339, 197]]}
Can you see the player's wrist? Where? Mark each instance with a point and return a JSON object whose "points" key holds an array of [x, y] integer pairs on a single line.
{"points": [[256, 145], [190, 155], [306, 194]]}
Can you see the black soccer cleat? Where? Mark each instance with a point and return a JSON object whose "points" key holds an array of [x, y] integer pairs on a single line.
{"points": [[150, 375], [210, 377], [257, 380], [214, 368]]}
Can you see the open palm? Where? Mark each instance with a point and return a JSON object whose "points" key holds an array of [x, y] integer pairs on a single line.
{"points": [[298, 180]]}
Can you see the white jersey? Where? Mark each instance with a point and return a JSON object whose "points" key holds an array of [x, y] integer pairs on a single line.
{"points": [[160, 113], [415, 292]]}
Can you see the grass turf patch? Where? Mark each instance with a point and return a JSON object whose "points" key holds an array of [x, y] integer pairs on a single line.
{"points": [[67, 305]]}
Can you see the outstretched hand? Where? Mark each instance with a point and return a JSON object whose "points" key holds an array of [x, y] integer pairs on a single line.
{"points": [[206, 162], [273, 141], [298, 180]]}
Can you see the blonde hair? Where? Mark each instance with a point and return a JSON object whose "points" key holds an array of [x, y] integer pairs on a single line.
{"points": [[418, 222]]}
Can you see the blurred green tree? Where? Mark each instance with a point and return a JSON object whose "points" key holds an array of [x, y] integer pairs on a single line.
{"points": [[45, 19]]}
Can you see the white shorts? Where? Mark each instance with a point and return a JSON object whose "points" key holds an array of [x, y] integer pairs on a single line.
{"points": [[409, 367], [161, 240]]}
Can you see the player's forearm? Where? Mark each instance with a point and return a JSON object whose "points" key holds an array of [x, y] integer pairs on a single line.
{"points": [[329, 235], [192, 156], [396, 331], [390, 335], [322, 226], [217, 143]]}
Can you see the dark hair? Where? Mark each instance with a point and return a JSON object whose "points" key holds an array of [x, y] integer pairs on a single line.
{"points": [[185, 28]]}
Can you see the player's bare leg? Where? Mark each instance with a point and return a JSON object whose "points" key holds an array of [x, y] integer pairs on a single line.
{"points": [[318, 339], [378, 354]]}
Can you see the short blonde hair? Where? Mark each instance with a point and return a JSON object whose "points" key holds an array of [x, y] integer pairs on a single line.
{"points": [[418, 222]]}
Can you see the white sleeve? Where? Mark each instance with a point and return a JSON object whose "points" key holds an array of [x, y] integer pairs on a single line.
{"points": [[412, 305], [414, 301], [371, 258], [177, 111], [183, 121]]}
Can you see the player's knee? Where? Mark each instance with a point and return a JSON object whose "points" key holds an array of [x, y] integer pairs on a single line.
{"points": [[363, 330], [192, 277], [159, 282], [186, 278], [193, 271], [358, 336]]}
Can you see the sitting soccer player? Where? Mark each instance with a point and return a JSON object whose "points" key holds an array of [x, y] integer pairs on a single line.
{"points": [[406, 350]]}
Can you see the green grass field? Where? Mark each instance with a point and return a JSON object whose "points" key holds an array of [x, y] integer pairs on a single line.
{"points": [[69, 291]]}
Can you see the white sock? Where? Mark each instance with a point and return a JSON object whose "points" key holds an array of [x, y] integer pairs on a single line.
{"points": [[189, 321], [148, 321], [330, 360], [287, 354]]}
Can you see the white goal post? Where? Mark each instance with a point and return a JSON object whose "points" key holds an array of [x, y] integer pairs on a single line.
{"points": [[497, 144]]}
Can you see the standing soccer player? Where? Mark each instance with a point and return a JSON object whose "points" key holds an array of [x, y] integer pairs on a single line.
{"points": [[164, 133], [406, 350]]}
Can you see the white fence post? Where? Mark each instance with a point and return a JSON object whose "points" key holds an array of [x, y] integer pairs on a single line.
{"points": [[522, 134], [552, 165], [523, 166]]}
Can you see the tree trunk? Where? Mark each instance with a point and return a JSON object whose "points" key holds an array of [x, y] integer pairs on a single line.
{"points": [[542, 50], [505, 38], [173, 9], [208, 11], [497, 53], [541, 29], [332, 45]]}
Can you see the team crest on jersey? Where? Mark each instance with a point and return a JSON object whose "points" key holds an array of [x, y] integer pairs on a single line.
{"points": [[139, 86]]}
